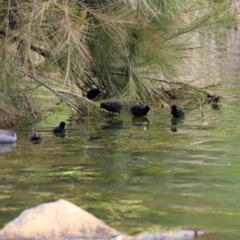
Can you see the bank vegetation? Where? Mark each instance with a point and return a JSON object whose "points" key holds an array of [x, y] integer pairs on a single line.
{"points": [[135, 50]]}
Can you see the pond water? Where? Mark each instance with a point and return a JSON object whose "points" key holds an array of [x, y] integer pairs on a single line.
{"points": [[137, 177]]}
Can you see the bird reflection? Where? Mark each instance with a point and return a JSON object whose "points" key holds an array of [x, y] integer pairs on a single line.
{"points": [[37, 143], [60, 135], [140, 120], [216, 106], [176, 121], [173, 129], [113, 124], [94, 137]]}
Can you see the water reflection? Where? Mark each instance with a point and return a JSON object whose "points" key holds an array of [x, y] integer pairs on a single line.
{"points": [[7, 147], [113, 124], [216, 106], [140, 120], [94, 138], [60, 135], [173, 129], [36, 142], [176, 121]]}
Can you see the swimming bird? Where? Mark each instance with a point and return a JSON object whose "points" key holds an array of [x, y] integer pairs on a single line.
{"points": [[36, 137], [94, 93], [113, 107], [8, 136], [140, 111], [177, 112], [60, 128]]}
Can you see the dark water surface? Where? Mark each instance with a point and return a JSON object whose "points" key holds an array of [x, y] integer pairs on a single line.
{"points": [[136, 177]]}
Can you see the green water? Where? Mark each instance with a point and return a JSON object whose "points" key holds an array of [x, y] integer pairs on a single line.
{"points": [[137, 178]]}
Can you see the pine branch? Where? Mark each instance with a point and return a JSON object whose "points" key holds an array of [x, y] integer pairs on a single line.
{"points": [[56, 92]]}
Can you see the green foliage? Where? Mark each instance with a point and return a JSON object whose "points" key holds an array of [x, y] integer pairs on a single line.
{"points": [[74, 45]]}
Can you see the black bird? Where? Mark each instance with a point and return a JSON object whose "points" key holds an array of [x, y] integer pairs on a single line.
{"points": [[36, 137], [60, 128], [94, 93], [140, 111], [177, 112], [113, 107]]}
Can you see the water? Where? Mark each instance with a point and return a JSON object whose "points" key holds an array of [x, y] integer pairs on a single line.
{"points": [[137, 177]]}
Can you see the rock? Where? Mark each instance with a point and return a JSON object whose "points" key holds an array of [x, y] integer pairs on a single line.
{"points": [[171, 235], [62, 220], [59, 220]]}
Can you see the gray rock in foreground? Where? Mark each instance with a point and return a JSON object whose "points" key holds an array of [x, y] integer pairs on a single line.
{"points": [[60, 220]]}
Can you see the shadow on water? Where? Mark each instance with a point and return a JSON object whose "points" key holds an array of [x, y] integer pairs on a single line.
{"points": [[136, 174]]}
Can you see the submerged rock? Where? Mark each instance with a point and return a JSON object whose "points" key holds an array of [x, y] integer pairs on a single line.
{"points": [[60, 220]]}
